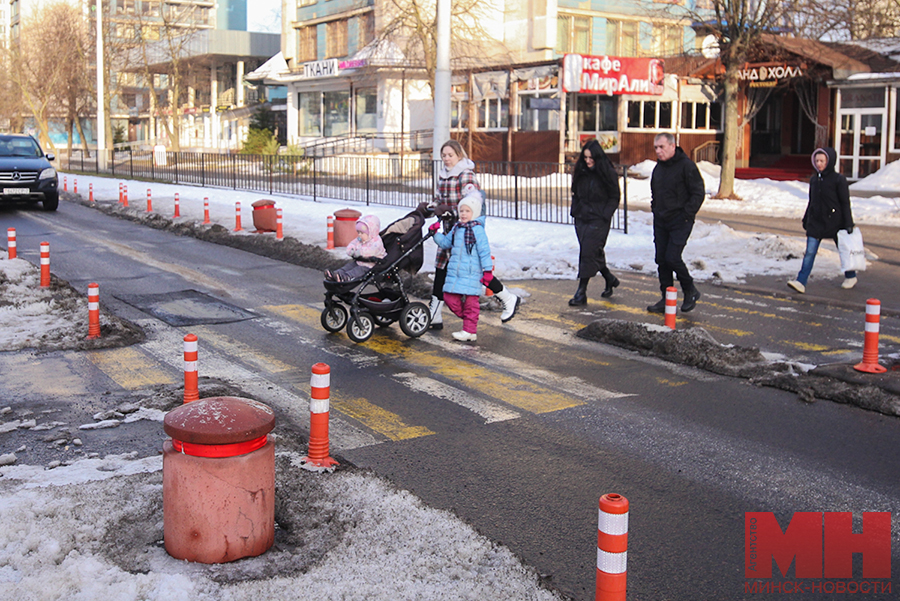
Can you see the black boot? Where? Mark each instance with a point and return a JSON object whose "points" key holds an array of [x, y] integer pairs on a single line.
{"points": [[611, 282], [580, 297], [691, 296], [659, 307]]}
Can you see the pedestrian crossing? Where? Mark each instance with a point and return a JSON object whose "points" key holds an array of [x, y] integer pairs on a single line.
{"points": [[490, 387]]}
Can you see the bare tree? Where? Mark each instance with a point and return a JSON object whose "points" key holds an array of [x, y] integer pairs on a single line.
{"points": [[841, 20], [738, 26]]}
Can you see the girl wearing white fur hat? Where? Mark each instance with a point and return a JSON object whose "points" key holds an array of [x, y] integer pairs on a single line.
{"points": [[469, 266]]}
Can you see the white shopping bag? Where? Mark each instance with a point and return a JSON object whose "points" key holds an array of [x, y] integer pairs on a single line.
{"points": [[850, 247]]}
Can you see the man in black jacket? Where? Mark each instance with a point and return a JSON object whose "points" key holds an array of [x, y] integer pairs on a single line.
{"points": [[677, 192]]}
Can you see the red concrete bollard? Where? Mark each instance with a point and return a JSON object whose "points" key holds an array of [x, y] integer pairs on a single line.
{"points": [[870, 343], [45, 264], [177, 206], [191, 380], [330, 244], [671, 306], [205, 210], [93, 311], [11, 243], [317, 459], [91, 192], [149, 202], [279, 232], [237, 217], [219, 480], [612, 546]]}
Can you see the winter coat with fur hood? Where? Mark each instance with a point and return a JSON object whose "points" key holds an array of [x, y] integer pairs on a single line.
{"points": [[371, 248], [828, 209]]}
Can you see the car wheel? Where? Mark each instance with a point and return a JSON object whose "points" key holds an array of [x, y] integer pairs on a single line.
{"points": [[51, 201], [415, 319], [361, 328], [334, 318]]}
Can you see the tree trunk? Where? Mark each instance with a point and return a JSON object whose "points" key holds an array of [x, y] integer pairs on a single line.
{"points": [[731, 135], [84, 142]]}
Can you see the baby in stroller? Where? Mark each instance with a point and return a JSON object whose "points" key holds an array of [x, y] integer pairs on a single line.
{"points": [[365, 249]]}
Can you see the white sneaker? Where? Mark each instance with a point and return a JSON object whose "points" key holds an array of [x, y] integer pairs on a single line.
{"points": [[848, 283], [465, 336], [797, 286]]}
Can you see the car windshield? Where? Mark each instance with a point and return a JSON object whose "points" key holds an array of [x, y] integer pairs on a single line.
{"points": [[19, 147]]}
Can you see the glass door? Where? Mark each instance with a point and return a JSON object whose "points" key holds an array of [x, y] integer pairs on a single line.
{"points": [[861, 140]]}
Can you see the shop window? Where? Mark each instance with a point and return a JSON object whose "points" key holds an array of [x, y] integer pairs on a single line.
{"points": [[896, 136], [336, 39], [701, 115], [649, 114], [336, 113], [539, 111], [493, 113], [308, 43], [366, 110], [309, 113], [573, 34], [596, 113], [459, 114]]}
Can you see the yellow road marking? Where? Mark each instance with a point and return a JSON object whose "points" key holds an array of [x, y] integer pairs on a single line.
{"points": [[807, 346], [378, 419], [130, 368], [670, 382], [246, 353]]}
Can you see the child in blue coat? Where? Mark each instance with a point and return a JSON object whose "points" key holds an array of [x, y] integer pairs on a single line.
{"points": [[470, 264]]}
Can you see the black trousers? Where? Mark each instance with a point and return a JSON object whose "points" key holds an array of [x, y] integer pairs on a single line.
{"points": [[670, 238], [440, 276], [592, 236]]}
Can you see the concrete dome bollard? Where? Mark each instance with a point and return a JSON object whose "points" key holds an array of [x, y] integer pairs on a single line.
{"points": [[219, 480]]}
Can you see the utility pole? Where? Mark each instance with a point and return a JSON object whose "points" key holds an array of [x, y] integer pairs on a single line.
{"points": [[442, 79], [101, 87]]}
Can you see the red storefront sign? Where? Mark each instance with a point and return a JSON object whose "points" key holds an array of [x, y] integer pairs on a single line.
{"points": [[613, 75]]}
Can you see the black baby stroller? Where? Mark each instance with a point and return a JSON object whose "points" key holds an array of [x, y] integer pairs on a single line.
{"points": [[379, 297]]}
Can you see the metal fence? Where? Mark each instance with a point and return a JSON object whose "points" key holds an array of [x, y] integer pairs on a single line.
{"points": [[525, 191]]}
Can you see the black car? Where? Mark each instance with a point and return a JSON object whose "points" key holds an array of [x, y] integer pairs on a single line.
{"points": [[26, 174]]}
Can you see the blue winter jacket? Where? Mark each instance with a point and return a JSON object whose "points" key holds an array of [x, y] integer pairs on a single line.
{"points": [[464, 271]]}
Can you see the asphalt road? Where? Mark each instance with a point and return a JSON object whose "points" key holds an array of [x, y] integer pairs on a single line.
{"points": [[520, 434]]}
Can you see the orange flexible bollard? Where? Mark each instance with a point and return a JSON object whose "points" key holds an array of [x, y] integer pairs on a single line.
{"points": [[177, 206], [93, 311], [65, 184], [91, 192], [330, 244], [121, 195], [870, 344], [191, 380], [45, 264], [149, 202], [317, 459], [671, 306], [74, 185], [125, 195], [205, 209], [612, 548], [279, 232], [11, 243], [237, 217]]}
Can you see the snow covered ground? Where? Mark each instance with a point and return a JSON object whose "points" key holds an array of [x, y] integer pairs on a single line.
{"points": [[61, 529]]}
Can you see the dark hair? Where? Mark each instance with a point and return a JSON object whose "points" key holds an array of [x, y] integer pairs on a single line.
{"points": [[593, 146]]}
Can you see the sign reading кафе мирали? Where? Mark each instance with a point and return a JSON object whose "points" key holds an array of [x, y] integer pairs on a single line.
{"points": [[613, 75]]}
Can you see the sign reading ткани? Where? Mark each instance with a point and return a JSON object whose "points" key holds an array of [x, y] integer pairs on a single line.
{"points": [[613, 75]]}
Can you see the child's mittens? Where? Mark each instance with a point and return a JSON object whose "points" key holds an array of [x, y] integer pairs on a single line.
{"points": [[487, 277], [434, 227]]}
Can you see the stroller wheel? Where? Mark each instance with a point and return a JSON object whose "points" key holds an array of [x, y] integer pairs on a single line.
{"points": [[361, 328], [334, 318], [415, 319], [382, 321]]}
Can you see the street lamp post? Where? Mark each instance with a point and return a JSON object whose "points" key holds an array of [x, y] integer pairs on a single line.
{"points": [[442, 79], [101, 108]]}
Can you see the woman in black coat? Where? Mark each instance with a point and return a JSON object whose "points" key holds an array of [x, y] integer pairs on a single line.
{"points": [[595, 198]]}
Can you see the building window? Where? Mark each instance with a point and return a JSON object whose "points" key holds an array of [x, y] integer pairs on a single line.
{"points": [[701, 115], [125, 7], [309, 113], [306, 2], [671, 39], [366, 110], [308, 44], [649, 114], [336, 39], [366, 26], [538, 110], [493, 113], [149, 32], [336, 107], [596, 113], [895, 94], [459, 114], [573, 34], [149, 8], [622, 38]]}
